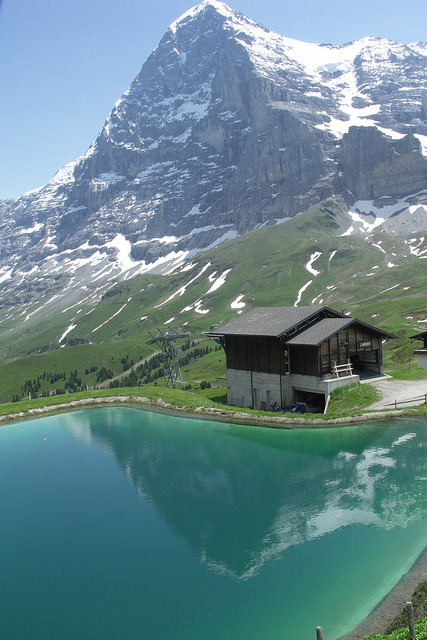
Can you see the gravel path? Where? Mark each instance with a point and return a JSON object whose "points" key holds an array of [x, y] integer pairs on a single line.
{"points": [[409, 390]]}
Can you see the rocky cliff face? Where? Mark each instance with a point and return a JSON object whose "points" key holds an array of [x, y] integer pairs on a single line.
{"points": [[227, 126], [374, 166]]}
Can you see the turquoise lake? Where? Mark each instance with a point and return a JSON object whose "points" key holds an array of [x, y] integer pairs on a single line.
{"points": [[121, 524]]}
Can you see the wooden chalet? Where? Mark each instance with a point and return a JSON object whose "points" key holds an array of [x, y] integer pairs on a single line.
{"points": [[279, 355], [421, 353]]}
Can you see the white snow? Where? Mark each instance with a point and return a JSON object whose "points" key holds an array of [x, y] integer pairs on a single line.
{"points": [[415, 245], [5, 273], [108, 178], [349, 231], [198, 308], [123, 247], [423, 140], [309, 266], [113, 316], [67, 331], [195, 211], [180, 292], [28, 316], [229, 235], [237, 303], [378, 246], [64, 175], [165, 264], [71, 266], [367, 226], [219, 6], [301, 291], [390, 288], [74, 305], [314, 256], [219, 281], [188, 266], [170, 320], [367, 207], [415, 207], [332, 255], [188, 308], [36, 227]]}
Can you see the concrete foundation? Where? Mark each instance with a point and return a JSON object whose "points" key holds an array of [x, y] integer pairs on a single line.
{"points": [[257, 389], [260, 390], [421, 358]]}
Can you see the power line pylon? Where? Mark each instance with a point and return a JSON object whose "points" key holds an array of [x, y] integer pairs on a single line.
{"points": [[166, 341]]}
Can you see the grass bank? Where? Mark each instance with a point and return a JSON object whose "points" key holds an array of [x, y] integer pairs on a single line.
{"points": [[402, 634], [347, 406], [398, 628]]}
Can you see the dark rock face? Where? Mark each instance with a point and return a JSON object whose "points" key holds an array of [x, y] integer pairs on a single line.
{"points": [[374, 166], [226, 127]]}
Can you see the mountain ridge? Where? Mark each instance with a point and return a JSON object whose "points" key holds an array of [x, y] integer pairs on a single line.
{"points": [[226, 128]]}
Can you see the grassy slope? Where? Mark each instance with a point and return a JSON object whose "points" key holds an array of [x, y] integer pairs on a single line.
{"points": [[398, 629], [403, 634], [267, 267]]}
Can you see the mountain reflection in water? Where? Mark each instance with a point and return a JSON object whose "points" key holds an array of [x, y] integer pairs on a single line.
{"points": [[240, 496]]}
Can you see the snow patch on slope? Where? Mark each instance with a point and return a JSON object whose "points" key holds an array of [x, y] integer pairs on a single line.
{"points": [[237, 303], [309, 266], [113, 316], [218, 282], [67, 331], [301, 291]]}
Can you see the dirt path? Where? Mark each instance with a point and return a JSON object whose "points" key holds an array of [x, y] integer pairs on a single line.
{"points": [[408, 392], [105, 384]]}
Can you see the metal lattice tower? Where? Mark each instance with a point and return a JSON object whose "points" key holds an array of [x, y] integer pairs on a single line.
{"points": [[166, 341]]}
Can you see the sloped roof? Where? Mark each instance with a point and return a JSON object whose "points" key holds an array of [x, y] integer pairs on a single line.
{"points": [[321, 331], [269, 321], [275, 322]]}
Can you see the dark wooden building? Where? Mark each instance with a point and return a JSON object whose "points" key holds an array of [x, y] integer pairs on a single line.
{"points": [[282, 354]]}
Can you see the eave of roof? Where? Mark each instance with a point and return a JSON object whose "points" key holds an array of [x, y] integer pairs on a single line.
{"points": [[321, 331], [419, 336], [381, 332]]}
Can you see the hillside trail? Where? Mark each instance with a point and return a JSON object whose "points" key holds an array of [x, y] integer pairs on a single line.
{"points": [[105, 384], [405, 393]]}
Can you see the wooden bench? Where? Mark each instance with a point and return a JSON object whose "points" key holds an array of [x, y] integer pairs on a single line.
{"points": [[346, 369]]}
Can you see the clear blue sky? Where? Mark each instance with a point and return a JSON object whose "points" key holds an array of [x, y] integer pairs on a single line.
{"points": [[64, 63]]}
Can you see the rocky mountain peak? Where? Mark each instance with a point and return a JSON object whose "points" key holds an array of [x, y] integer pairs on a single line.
{"points": [[205, 7], [228, 126]]}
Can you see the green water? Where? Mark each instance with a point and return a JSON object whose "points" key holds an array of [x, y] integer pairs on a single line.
{"points": [[118, 523]]}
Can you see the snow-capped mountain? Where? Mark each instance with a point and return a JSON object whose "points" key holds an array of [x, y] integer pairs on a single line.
{"points": [[228, 126]]}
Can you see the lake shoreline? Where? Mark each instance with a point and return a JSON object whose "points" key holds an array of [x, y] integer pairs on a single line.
{"points": [[393, 603], [206, 413]]}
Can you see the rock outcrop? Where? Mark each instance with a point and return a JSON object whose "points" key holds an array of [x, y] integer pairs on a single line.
{"points": [[374, 166]]}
